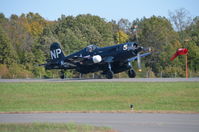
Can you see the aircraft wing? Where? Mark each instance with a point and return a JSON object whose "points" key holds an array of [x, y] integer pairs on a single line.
{"points": [[79, 60], [75, 59], [142, 55]]}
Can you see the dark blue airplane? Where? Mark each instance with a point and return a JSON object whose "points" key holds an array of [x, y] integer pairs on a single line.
{"points": [[109, 60]]}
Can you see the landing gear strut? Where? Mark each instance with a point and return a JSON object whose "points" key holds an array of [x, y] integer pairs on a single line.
{"points": [[131, 73], [109, 73]]}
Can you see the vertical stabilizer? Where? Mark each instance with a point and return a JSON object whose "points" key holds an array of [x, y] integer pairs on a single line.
{"points": [[56, 51]]}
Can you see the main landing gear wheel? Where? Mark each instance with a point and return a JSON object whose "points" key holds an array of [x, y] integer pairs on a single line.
{"points": [[131, 73], [109, 75]]}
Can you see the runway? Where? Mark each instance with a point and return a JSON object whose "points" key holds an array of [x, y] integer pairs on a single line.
{"points": [[122, 122], [106, 80]]}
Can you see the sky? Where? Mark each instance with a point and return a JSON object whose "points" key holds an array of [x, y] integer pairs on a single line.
{"points": [[108, 9]]}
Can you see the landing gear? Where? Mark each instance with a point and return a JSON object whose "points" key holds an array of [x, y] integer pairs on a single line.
{"points": [[131, 73], [109, 73], [62, 75]]}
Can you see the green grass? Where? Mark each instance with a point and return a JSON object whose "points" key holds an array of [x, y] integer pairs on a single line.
{"points": [[51, 127], [99, 96]]}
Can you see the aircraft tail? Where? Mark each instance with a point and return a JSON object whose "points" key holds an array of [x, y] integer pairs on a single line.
{"points": [[56, 51]]}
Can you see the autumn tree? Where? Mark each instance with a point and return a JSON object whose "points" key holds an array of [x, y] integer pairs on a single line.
{"points": [[7, 55], [25, 40], [121, 37], [155, 32]]}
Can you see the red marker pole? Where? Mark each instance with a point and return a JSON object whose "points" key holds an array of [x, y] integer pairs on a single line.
{"points": [[187, 72]]}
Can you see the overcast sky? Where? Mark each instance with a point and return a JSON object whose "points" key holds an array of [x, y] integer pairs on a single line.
{"points": [[108, 9]]}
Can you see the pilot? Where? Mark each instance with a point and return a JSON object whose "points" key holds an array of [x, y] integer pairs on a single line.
{"points": [[90, 49]]}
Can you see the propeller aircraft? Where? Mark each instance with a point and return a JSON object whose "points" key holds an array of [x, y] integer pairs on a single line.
{"points": [[109, 60]]}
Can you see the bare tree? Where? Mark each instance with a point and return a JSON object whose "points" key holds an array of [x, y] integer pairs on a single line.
{"points": [[124, 24], [180, 18]]}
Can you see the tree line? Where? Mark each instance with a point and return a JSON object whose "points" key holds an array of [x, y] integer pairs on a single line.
{"points": [[25, 41]]}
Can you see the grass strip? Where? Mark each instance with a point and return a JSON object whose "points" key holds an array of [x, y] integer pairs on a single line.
{"points": [[99, 96], [52, 127]]}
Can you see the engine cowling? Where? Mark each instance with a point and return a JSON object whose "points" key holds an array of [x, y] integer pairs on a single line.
{"points": [[97, 58]]}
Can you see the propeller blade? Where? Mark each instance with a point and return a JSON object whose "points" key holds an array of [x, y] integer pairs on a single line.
{"points": [[139, 62]]}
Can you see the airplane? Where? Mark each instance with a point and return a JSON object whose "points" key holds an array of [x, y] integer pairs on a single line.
{"points": [[109, 60]]}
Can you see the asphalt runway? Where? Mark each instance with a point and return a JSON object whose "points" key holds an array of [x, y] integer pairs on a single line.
{"points": [[106, 80], [122, 122]]}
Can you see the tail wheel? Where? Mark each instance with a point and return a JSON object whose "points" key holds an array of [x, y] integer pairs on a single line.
{"points": [[131, 73]]}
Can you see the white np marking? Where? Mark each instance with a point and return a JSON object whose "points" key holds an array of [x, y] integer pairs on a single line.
{"points": [[55, 53]]}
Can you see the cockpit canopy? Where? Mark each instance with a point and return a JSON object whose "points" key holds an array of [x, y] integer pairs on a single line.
{"points": [[91, 48], [132, 44]]}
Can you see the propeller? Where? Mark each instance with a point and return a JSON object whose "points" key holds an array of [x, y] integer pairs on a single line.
{"points": [[149, 49], [139, 62]]}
